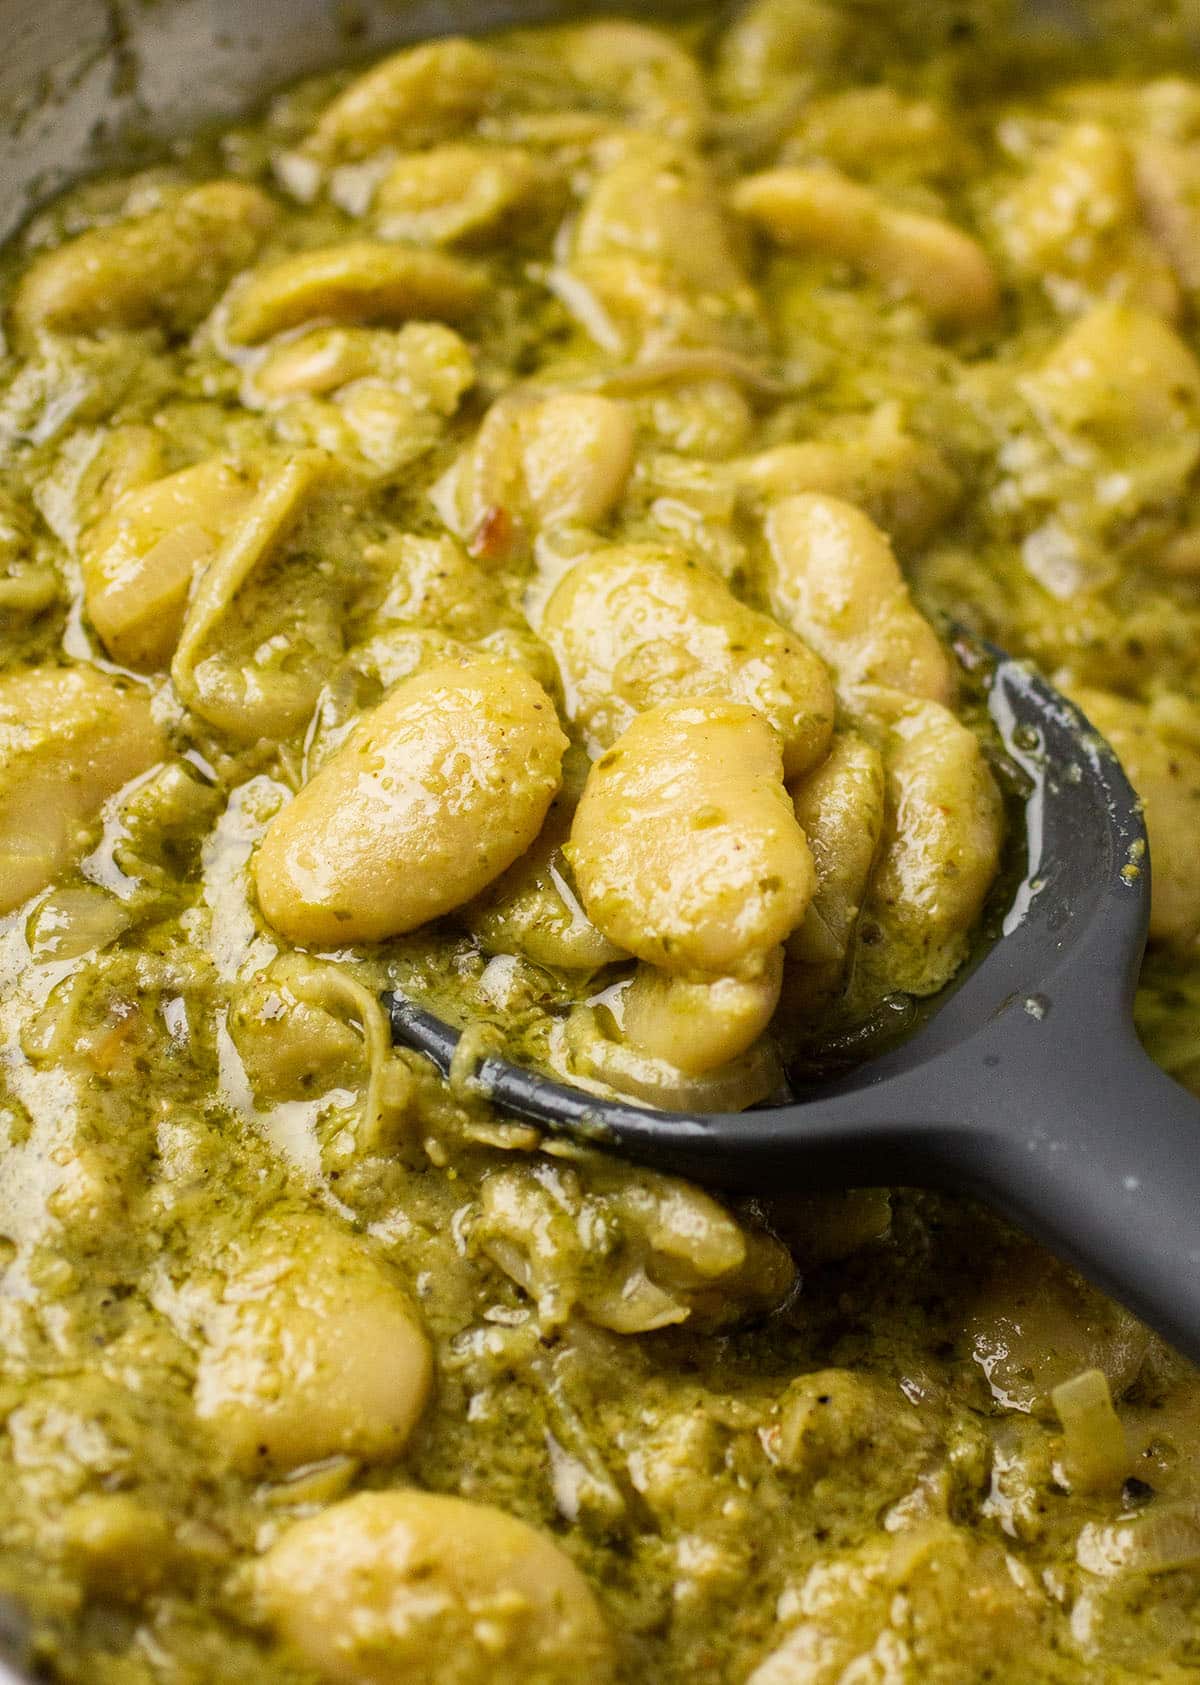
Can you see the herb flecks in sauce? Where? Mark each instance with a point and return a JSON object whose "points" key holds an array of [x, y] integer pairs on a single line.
{"points": [[500, 435]]}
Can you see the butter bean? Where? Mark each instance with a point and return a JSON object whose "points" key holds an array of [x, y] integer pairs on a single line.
{"points": [[431, 797], [416, 96], [699, 1024], [941, 845], [685, 847], [69, 738], [911, 255], [362, 281], [311, 1349], [638, 625], [834, 579], [166, 268], [1166, 775], [841, 807], [138, 562], [413, 1588]]}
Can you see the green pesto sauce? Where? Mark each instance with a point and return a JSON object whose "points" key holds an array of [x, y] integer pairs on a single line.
{"points": [[796, 1441]]}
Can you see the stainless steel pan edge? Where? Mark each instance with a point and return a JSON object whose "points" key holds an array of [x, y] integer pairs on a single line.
{"points": [[76, 76]]}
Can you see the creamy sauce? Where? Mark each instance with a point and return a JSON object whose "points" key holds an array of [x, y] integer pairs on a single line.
{"points": [[673, 391]]}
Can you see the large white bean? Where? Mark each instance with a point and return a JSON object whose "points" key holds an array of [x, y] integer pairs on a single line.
{"points": [[1122, 380], [416, 96], [533, 910], [658, 205], [596, 1053], [1166, 775], [841, 807], [685, 846], [637, 625], [834, 579], [165, 268], [311, 1349], [362, 281], [430, 798], [1167, 174], [658, 82], [457, 192], [536, 461], [773, 49], [941, 844], [903, 482], [698, 1024], [413, 1588], [911, 255], [1074, 225], [69, 738]]}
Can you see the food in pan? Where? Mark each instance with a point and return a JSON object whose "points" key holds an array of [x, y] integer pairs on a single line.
{"points": [[513, 523]]}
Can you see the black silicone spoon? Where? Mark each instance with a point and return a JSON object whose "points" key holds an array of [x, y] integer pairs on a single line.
{"points": [[1027, 1087]]}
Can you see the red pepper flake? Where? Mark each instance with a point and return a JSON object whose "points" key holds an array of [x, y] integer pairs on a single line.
{"points": [[493, 537]]}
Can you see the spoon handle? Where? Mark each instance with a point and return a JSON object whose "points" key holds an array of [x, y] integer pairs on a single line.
{"points": [[1100, 1156], [1077, 1136]]}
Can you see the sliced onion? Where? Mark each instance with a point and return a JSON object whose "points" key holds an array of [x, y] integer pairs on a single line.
{"points": [[1167, 1537], [78, 919]]}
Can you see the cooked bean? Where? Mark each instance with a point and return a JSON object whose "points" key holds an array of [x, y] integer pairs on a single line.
{"points": [[291, 1048], [247, 700], [1074, 225], [455, 193], [865, 129], [538, 461], [129, 457], [681, 1255], [941, 844], [903, 483], [639, 624], [432, 582], [658, 205], [705, 418], [598, 1054], [431, 797], [772, 48], [375, 399], [164, 269], [139, 561], [654, 264], [413, 1588], [685, 846], [1166, 775], [417, 96], [425, 362], [698, 1024], [841, 808], [1122, 379], [657, 81], [533, 909], [311, 1348], [359, 281], [911, 255], [834, 579], [69, 738], [1168, 184]]}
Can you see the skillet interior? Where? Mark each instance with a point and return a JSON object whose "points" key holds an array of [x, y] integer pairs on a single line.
{"points": [[84, 81]]}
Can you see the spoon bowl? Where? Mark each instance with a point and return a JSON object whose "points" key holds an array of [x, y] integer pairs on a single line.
{"points": [[1027, 1087]]}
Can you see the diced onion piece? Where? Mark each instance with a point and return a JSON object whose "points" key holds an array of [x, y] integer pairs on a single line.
{"points": [[1095, 1455]]}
